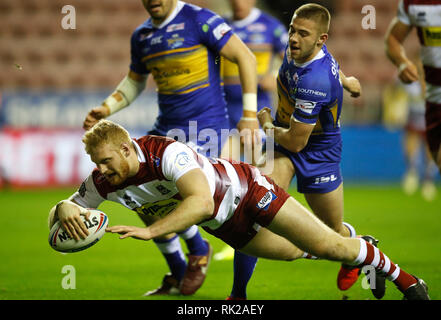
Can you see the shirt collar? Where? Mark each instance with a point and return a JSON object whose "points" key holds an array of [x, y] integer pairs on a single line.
{"points": [[318, 56], [139, 153], [254, 14]]}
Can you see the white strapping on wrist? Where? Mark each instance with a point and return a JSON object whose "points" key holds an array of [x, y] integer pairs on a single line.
{"points": [[402, 67], [248, 119], [249, 101], [126, 92]]}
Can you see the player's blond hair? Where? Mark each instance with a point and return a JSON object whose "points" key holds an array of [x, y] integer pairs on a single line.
{"points": [[105, 131], [316, 12]]}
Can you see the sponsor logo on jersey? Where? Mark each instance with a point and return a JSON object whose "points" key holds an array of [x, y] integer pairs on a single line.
{"points": [[163, 190], [156, 40], [144, 36], [295, 77], [221, 30], [312, 92], [129, 201], [175, 41], [432, 36], [155, 159], [256, 27], [158, 74], [305, 106], [265, 202], [421, 17], [175, 27], [158, 208], [182, 160]]}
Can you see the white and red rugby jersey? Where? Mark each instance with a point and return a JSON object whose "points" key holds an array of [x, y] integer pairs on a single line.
{"points": [[153, 190], [425, 15]]}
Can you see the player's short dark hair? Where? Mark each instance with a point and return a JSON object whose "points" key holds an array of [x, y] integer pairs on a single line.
{"points": [[315, 12]]}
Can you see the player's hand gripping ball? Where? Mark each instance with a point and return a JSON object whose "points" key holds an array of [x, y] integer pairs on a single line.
{"points": [[59, 239]]}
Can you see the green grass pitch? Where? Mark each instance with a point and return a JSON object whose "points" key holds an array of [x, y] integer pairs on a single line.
{"points": [[409, 230]]}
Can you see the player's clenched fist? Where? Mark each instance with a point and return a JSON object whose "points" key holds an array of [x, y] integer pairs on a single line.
{"points": [[408, 72], [95, 115], [249, 131], [264, 116]]}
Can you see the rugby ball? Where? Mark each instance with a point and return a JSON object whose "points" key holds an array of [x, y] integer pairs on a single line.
{"points": [[59, 239]]}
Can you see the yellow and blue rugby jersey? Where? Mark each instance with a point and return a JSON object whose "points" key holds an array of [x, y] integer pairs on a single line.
{"points": [[183, 57], [311, 93], [265, 36]]}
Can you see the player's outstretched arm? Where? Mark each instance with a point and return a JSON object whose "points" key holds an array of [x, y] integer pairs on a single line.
{"points": [[69, 213], [394, 40], [196, 207], [351, 84], [125, 93], [236, 51]]}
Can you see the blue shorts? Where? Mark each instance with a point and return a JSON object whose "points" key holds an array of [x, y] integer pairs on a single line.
{"points": [[316, 171]]}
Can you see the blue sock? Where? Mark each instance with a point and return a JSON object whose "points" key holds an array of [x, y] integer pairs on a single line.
{"points": [[195, 244], [243, 270], [173, 254]]}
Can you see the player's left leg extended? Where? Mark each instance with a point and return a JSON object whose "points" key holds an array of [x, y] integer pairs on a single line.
{"points": [[307, 232], [329, 207]]}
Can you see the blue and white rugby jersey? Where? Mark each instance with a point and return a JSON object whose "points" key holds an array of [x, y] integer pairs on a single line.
{"points": [[311, 93], [182, 54]]}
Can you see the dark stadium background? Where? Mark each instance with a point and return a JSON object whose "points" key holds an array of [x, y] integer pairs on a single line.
{"points": [[50, 77]]}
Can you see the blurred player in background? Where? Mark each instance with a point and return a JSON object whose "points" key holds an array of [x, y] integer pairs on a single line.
{"points": [[180, 45], [307, 126], [414, 140], [226, 198], [266, 37], [426, 17]]}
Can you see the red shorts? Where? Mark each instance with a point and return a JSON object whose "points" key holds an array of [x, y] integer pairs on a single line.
{"points": [[257, 207], [433, 126]]}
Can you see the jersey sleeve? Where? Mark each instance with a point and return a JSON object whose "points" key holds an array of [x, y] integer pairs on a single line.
{"points": [[214, 31], [177, 160], [312, 95], [402, 14], [136, 64], [87, 195]]}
